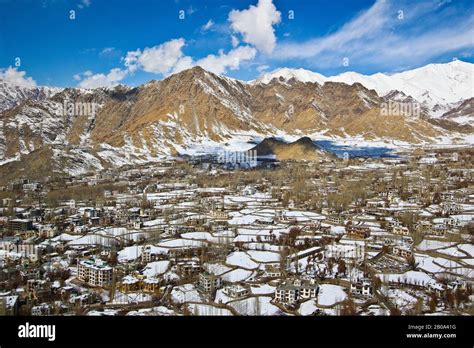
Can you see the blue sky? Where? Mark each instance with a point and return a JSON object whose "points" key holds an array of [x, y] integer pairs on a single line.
{"points": [[131, 42]]}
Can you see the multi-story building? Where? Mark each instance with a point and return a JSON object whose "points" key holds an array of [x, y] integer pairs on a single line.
{"points": [[402, 251], [294, 291], [95, 272], [41, 310], [362, 287], [22, 225], [401, 230], [209, 282]]}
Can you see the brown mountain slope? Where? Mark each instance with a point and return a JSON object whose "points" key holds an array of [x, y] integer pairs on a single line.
{"points": [[301, 150]]}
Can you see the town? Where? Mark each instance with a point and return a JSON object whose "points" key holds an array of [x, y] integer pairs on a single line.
{"points": [[193, 236]]}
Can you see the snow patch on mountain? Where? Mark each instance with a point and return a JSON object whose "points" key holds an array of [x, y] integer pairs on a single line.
{"points": [[432, 85]]}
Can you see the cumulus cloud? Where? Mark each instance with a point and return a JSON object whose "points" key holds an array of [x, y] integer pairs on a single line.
{"points": [[165, 59], [158, 59], [255, 24], [222, 62], [169, 58], [14, 77], [111, 79]]}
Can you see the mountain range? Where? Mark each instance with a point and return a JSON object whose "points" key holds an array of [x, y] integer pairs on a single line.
{"points": [[196, 111]]}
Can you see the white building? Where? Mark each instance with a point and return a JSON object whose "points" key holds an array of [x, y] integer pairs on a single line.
{"points": [[291, 292]]}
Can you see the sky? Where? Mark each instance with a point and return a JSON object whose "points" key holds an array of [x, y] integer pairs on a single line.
{"points": [[96, 43]]}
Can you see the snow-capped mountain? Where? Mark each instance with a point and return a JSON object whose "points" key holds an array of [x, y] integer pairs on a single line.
{"points": [[287, 74], [432, 85], [196, 111], [11, 95]]}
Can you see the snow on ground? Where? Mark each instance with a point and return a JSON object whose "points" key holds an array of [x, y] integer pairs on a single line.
{"points": [[153, 269], [264, 256], [129, 253], [105, 312], [221, 297], [467, 248], [180, 243], [435, 264], [453, 251], [330, 294], [199, 236], [158, 311], [250, 306], [124, 298], [239, 219], [308, 307], [205, 309], [401, 299], [64, 237], [237, 275], [185, 293], [411, 277], [217, 268], [262, 289], [241, 259], [262, 247], [376, 310], [428, 244]]}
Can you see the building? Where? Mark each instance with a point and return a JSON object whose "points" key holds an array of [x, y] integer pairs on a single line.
{"points": [[8, 305], [20, 225], [362, 287], [95, 272], [358, 232], [236, 291], [294, 291], [150, 253], [335, 219], [272, 271], [209, 282], [41, 310], [402, 251], [401, 230], [188, 268], [219, 214]]}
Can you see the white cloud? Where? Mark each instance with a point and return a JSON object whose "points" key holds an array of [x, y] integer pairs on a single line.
{"points": [[366, 24], [108, 51], [169, 58], [235, 41], [157, 59], [84, 4], [256, 24], [210, 23], [218, 64], [262, 68], [165, 59], [377, 37], [223, 61], [101, 80], [17, 78]]}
